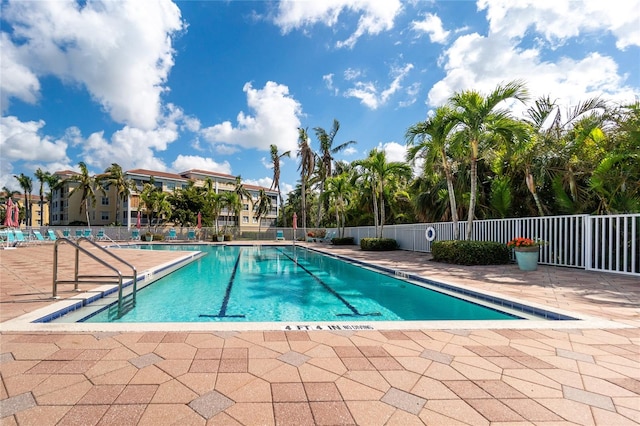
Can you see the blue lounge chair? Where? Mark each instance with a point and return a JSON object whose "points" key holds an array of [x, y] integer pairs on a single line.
{"points": [[191, 235], [88, 234], [279, 235], [39, 236], [101, 235], [172, 234], [66, 233], [11, 239], [135, 234], [20, 239], [78, 233], [328, 237], [52, 235]]}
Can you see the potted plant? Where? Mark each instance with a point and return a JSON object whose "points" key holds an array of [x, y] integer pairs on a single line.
{"points": [[527, 251], [148, 237], [220, 236]]}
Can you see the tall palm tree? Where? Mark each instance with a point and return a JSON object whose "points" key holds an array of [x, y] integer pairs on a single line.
{"points": [[275, 184], [42, 178], [262, 207], [339, 189], [87, 186], [307, 164], [242, 193], [378, 172], [26, 183], [430, 141], [54, 182], [478, 118], [115, 177], [233, 203], [326, 158]]}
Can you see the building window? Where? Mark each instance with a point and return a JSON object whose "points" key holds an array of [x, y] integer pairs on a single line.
{"points": [[245, 207], [245, 219], [171, 186], [255, 220], [105, 201], [104, 215]]}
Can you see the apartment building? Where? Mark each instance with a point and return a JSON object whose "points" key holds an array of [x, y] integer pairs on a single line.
{"points": [[65, 208], [39, 213]]}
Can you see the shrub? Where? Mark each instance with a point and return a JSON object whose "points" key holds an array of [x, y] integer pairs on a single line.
{"points": [[470, 252], [378, 244], [344, 241]]}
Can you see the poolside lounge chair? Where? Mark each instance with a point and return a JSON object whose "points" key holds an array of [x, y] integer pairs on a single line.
{"points": [[279, 235], [20, 239], [66, 233], [135, 235], [172, 234], [78, 233], [10, 238], [39, 236], [191, 235], [52, 235], [101, 235], [87, 234], [328, 237]]}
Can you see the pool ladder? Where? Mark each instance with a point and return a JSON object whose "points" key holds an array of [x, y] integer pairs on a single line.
{"points": [[125, 303]]}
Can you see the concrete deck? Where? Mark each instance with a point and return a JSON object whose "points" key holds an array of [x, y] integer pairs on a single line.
{"points": [[546, 374]]}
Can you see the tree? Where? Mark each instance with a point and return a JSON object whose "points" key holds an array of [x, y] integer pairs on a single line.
{"points": [[53, 182], [377, 171], [478, 119], [263, 206], [26, 183], [115, 177], [42, 178], [242, 194], [307, 164], [325, 162], [87, 186], [233, 203], [275, 184], [339, 189], [430, 141]]}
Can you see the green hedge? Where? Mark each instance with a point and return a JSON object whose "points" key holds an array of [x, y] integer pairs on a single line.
{"points": [[470, 252], [378, 244], [344, 241]]}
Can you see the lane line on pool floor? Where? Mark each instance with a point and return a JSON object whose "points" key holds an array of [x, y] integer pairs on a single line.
{"points": [[353, 309], [227, 295]]}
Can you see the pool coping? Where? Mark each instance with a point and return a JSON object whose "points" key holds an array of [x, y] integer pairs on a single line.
{"points": [[29, 322]]}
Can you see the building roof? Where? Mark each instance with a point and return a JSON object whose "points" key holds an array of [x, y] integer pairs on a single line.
{"points": [[155, 173], [207, 173]]}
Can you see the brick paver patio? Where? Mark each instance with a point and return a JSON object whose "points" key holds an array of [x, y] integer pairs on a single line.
{"points": [[542, 375]]}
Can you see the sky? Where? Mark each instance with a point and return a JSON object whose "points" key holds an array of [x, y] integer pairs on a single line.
{"points": [[173, 86]]}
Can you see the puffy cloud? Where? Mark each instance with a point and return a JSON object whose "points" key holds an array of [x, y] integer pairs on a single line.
{"points": [[275, 120], [394, 151], [559, 21], [188, 162], [23, 141], [264, 182], [482, 63], [369, 94], [352, 74], [431, 25], [120, 51], [375, 15]]}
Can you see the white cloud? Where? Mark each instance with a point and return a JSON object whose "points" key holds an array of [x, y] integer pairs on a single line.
{"points": [[188, 162], [369, 94], [276, 120], [482, 63], [23, 141], [431, 25], [352, 74], [348, 151], [559, 21], [375, 15], [120, 51], [394, 151], [328, 81], [264, 182], [223, 149]]}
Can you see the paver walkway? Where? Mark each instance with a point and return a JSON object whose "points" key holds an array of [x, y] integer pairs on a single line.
{"points": [[547, 376]]}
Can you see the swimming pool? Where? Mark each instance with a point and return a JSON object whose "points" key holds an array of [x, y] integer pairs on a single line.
{"points": [[285, 284]]}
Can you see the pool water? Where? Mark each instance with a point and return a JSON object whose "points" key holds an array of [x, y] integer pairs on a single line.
{"points": [[285, 283]]}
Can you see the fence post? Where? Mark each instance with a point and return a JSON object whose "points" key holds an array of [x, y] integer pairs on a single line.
{"points": [[587, 242]]}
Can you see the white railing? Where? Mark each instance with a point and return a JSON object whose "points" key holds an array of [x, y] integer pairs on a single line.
{"points": [[599, 243]]}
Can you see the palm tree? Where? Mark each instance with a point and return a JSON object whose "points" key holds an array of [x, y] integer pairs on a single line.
{"points": [[242, 193], [307, 164], [42, 178], [233, 202], [339, 189], [325, 162], [478, 119], [115, 176], [262, 207], [432, 146], [26, 183], [87, 186], [377, 172], [275, 184], [53, 182]]}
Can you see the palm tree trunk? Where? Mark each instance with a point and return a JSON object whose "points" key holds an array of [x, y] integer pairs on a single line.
{"points": [[320, 205], [474, 186], [532, 189], [452, 203], [304, 206]]}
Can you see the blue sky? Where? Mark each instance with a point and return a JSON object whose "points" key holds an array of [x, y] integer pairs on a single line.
{"points": [[173, 86]]}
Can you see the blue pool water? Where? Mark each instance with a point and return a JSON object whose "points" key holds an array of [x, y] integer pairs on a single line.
{"points": [[283, 283]]}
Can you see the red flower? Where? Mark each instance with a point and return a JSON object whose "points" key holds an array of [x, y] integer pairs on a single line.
{"points": [[523, 242]]}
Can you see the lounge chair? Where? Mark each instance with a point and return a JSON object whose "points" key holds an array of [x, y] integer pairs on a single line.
{"points": [[87, 234], [135, 235], [101, 235], [52, 235], [39, 236], [66, 233], [328, 237], [20, 239], [11, 239], [279, 235], [172, 234], [191, 235], [78, 233]]}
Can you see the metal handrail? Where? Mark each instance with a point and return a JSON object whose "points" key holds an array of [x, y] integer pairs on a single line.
{"points": [[77, 276]]}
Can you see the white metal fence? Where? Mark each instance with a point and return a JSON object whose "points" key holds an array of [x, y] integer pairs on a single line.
{"points": [[599, 243]]}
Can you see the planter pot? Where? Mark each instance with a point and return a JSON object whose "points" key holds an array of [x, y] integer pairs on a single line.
{"points": [[220, 238], [527, 258]]}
